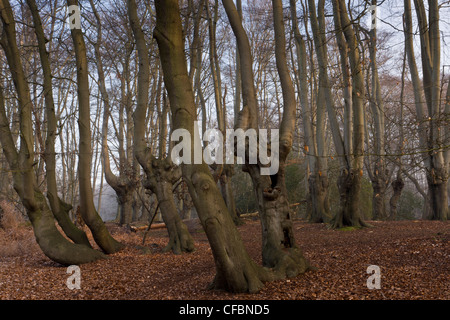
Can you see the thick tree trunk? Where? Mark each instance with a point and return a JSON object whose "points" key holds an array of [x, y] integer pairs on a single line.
{"points": [[53, 244], [165, 174], [379, 184], [235, 270], [95, 223], [50, 240], [59, 208], [159, 173], [279, 250], [125, 201], [430, 127], [227, 193], [318, 190], [349, 184], [437, 186], [179, 238], [349, 181]]}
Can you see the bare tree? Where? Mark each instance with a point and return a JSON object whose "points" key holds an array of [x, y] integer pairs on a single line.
{"points": [[59, 207], [160, 173], [125, 183], [349, 182], [318, 181], [379, 175], [279, 248], [431, 123], [101, 234], [21, 162], [235, 270]]}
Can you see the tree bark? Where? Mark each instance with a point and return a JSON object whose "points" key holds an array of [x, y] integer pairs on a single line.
{"points": [[99, 231], [160, 172], [310, 146], [50, 240], [430, 128], [349, 181], [59, 208], [279, 248], [166, 174], [125, 184], [318, 181], [379, 175], [235, 270], [397, 185]]}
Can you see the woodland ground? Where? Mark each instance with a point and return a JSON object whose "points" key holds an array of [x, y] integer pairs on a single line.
{"points": [[414, 257]]}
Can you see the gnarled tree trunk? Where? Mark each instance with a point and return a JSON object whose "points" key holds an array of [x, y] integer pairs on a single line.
{"points": [[160, 173], [280, 250], [235, 270]]}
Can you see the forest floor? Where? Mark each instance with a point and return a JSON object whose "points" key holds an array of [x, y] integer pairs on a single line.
{"points": [[414, 258]]}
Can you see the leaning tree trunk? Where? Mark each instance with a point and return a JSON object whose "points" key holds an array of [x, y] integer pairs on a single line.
{"points": [[95, 223], [235, 270], [59, 208], [53, 244]]}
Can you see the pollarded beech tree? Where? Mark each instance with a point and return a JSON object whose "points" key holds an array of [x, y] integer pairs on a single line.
{"points": [[235, 270], [433, 125], [162, 173], [352, 160], [125, 183], [279, 249], [59, 207], [90, 215], [21, 161], [318, 180], [379, 174]]}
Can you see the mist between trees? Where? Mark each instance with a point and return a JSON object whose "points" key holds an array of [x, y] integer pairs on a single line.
{"points": [[89, 100]]}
